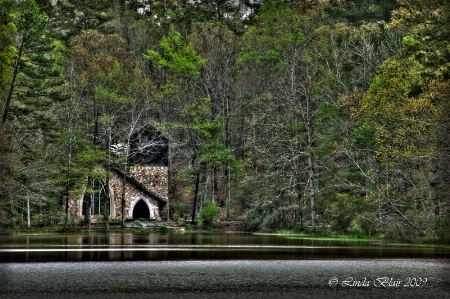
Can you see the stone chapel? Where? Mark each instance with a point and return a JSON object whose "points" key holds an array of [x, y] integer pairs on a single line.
{"points": [[138, 190]]}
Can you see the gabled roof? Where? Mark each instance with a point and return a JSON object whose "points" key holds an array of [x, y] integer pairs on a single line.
{"points": [[162, 202]]}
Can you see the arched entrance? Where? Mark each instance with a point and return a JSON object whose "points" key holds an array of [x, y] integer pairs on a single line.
{"points": [[141, 210]]}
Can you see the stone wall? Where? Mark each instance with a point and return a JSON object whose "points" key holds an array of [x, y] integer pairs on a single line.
{"points": [[154, 178], [132, 196]]}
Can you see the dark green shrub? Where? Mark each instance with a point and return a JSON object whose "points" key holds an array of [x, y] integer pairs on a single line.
{"points": [[208, 214], [251, 222], [397, 230]]}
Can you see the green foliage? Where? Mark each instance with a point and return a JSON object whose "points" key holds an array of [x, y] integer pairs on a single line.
{"points": [[211, 150], [7, 50], [356, 230], [443, 229], [251, 222], [71, 17], [138, 224], [377, 84], [409, 41], [164, 229], [400, 117], [80, 162], [342, 210], [376, 163], [268, 43], [38, 68], [364, 137], [34, 88], [178, 207], [208, 214], [179, 58], [397, 231], [366, 222], [363, 11]]}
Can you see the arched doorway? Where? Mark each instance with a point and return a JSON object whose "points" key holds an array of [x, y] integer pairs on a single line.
{"points": [[141, 210]]}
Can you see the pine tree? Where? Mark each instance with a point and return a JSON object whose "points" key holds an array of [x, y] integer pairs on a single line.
{"points": [[27, 115], [71, 17]]}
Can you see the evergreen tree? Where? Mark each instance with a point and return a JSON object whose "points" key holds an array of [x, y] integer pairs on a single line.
{"points": [[193, 120], [27, 115], [7, 49], [71, 17]]}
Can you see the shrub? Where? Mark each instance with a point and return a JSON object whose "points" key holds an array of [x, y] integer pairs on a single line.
{"points": [[208, 214], [138, 224], [251, 221], [443, 229], [397, 230], [177, 209], [164, 229], [364, 224], [272, 221]]}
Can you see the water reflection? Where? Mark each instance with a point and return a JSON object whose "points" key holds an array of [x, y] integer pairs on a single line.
{"points": [[191, 246]]}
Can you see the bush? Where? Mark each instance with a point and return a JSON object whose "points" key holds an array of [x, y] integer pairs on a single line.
{"points": [[443, 229], [208, 214], [365, 224], [341, 211], [177, 209], [251, 222], [397, 230], [138, 224], [272, 221], [357, 231], [7, 219], [164, 229]]}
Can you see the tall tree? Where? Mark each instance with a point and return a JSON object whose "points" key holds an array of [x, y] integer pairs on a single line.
{"points": [[277, 47], [220, 46], [7, 49], [183, 66], [71, 17], [425, 24], [7, 54], [399, 121], [33, 88]]}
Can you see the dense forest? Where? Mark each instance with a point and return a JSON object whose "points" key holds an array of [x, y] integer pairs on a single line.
{"points": [[298, 115]]}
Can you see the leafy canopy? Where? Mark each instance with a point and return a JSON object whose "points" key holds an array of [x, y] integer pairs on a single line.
{"points": [[179, 58]]}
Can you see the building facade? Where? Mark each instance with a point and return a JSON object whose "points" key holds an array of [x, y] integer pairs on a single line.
{"points": [[137, 190]]}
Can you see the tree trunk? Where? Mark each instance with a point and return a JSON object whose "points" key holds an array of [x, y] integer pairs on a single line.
{"points": [[228, 191], [12, 85], [28, 213], [108, 193], [107, 201], [89, 205], [196, 189], [66, 202], [123, 198], [91, 202], [300, 205], [310, 165], [311, 189], [227, 145]]}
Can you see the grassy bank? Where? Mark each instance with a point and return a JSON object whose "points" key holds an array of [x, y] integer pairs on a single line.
{"points": [[377, 239]]}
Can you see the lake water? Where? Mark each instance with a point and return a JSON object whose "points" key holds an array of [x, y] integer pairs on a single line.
{"points": [[192, 265]]}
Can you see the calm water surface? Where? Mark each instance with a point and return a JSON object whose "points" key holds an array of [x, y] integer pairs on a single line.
{"points": [[195, 246], [126, 265]]}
